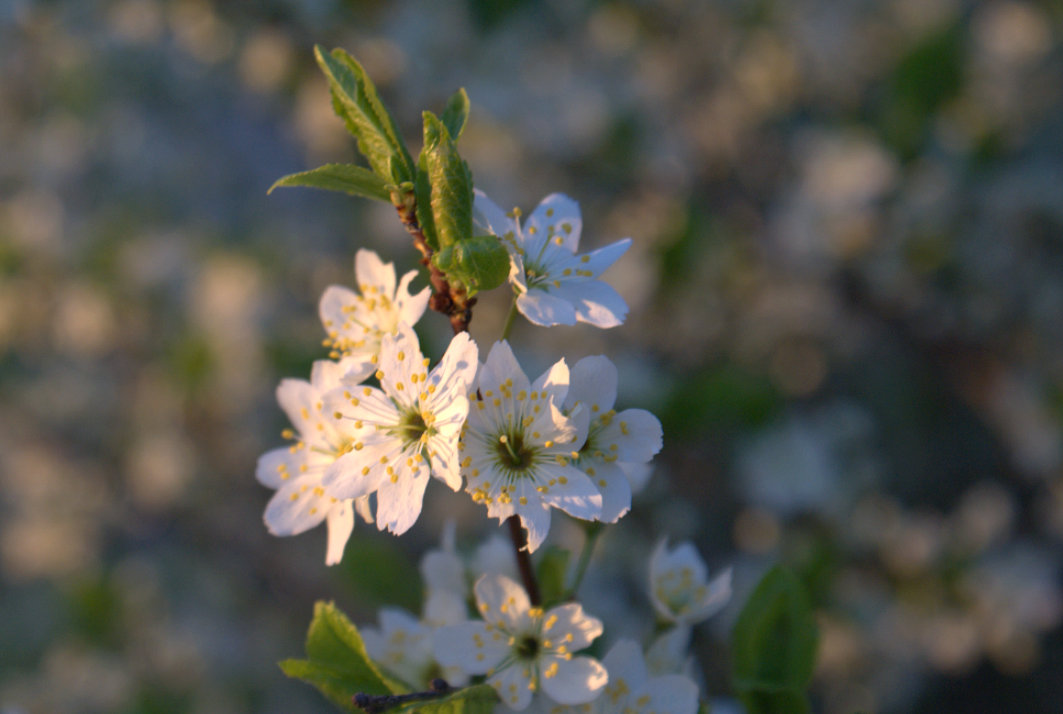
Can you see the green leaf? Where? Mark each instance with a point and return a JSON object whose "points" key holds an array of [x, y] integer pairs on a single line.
{"points": [[337, 663], [456, 113], [450, 181], [348, 178], [480, 699], [551, 573], [355, 99], [774, 645], [479, 263], [422, 190]]}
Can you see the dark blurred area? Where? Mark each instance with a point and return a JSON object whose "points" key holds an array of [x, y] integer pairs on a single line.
{"points": [[846, 290]]}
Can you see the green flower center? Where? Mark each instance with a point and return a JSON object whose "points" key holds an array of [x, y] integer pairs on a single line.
{"points": [[513, 455], [527, 647], [412, 428]]}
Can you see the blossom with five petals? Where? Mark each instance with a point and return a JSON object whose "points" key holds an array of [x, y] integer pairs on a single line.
{"points": [[410, 425], [680, 588], [322, 447], [554, 285], [403, 646], [355, 323], [618, 446], [523, 649], [518, 447]]}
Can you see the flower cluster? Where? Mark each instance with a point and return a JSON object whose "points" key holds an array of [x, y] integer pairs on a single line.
{"points": [[356, 440], [524, 449], [377, 421]]}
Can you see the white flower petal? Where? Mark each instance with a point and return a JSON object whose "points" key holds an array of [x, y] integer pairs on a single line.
{"points": [[362, 508], [574, 492], [593, 383], [669, 652], [296, 507], [443, 570], [371, 272], [554, 382], [340, 525], [495, 556], [443, 607], [298, 399], [459, 362], [345, 479], [411, 306], [594, 302], [671, 694], [502, 602], [615, 490], [535, 517], [472, 646], [398, 502], [331, 307], [393, 619], [326, 374], [626, 666], [570, 619], [576, 681], [273, 464], [716, 595], [600, 260], [513, 685], [556, 215], [637, 434], [400, 359], [445, 463], [679, 589], [355, 369], [488, 217], [544, 309], [500, 366], [684, 555]]}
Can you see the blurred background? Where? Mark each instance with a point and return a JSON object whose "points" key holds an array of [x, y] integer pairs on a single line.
{"points": [[846, 290]]}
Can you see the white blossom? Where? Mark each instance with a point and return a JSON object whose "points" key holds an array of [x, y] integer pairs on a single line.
{"points": [[322, 447], [679, 586], [412, 425], [355, 323], [403, 646], [632, 689], [448, 577], [554, 285], [618, 445], [523, 649], [518, 447]]}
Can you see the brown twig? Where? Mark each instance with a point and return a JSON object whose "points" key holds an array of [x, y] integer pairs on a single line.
{"points": [[520, 546], [446, 299], [377, 703]]}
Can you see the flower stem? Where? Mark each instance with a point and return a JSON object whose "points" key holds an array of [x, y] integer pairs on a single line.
{"points": [[591, 531], [374, 704], [520, 547], [508, 326]]}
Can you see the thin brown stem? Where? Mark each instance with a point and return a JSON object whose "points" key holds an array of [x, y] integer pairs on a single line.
{"points": [[520, 547]]}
